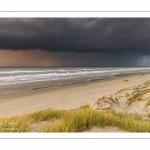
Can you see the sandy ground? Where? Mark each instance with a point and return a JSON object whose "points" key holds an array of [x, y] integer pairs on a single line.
{"points": [[65, 97]]}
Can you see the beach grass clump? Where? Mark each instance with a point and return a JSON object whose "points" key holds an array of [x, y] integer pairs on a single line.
{"points": [[24, 123], [77, 120], [15, 124], [121, 90], [84, 106], [47, 114], [147, 103], [147, 83], [134, 98], [84, 119]]}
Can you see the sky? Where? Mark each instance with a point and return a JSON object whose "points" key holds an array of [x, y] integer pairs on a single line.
{"points": [[103, 42]]}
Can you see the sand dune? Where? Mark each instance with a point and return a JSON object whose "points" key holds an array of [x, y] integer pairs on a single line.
{"points": [[70, 97], [134, 99]]}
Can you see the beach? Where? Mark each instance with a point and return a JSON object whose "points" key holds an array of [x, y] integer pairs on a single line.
{"points": [[65, 97]]}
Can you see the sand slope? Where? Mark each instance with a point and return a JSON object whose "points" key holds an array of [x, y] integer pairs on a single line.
{"points": [[134, 99]]}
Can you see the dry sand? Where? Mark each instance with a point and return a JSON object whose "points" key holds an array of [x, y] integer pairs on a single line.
{"points": [[65, 97]]}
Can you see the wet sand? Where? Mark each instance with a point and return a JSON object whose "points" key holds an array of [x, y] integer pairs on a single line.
{"points": [[65, 97]]}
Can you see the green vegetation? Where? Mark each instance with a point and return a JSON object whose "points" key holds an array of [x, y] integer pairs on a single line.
{"points": [[136, 97], [77, 120]]}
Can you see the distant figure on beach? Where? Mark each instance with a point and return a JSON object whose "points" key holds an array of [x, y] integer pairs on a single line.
{"points": [[126, 80]]}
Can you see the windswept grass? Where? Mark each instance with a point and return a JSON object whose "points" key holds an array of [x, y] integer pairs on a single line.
{"points": [[47, 114], [23, 123], [147, 103], [84, 119], [137, 96], [134, 98], [77, 120], [15, 124], [147, 83], [121, 90]]}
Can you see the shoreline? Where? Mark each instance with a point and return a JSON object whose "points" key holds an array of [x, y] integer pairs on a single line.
{"points": [[65, 97], [69, 84]]}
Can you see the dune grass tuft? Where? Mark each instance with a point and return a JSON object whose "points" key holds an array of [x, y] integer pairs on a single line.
{"points": [[147, 103], [46, 114], [77, 120], [23, 123], [15, 124], [147, 83], [84, 119], [136, 97]]}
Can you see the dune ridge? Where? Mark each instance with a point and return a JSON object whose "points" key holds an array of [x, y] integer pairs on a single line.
{"points": [[129, 100]]}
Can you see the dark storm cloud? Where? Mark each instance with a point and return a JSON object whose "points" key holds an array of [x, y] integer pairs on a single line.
{"points": [[76, 34]]}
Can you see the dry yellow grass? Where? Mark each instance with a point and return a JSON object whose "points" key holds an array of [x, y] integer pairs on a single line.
{"points": [[23, 123], [134, 98], [77, 120], [84, 119], [147, 103]]}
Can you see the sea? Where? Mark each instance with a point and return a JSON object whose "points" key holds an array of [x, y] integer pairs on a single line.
{"points": [[16, 80]]}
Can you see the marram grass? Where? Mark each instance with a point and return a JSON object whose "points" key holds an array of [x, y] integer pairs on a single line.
{"points": [[84, 119], [147, 103], [24, 122], [134, 98], [77, 120], [137, 97]]}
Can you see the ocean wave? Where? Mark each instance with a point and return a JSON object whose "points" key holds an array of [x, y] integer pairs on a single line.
{"points": [[16, 76]]}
